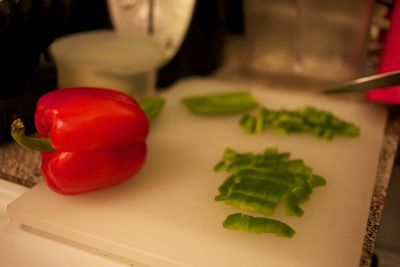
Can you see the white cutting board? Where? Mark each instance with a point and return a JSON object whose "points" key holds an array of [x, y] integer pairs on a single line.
{"points": [[167, 216]]}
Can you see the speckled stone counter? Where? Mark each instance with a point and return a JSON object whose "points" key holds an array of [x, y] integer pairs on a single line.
{"points": [[23, 167], [19, 165], [385, 166]]}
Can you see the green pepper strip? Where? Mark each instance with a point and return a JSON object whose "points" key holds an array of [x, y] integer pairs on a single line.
{"points": [[264, 190], [220, 104], [250, 203], [257, 225]]}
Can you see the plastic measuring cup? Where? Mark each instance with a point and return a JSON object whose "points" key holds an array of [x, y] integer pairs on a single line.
{"points": [[105, 58]]}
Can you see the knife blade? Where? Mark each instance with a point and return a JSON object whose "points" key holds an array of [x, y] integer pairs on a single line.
{"points": [[366, 83]]}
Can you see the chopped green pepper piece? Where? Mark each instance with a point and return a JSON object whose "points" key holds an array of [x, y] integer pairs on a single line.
{"points": [[259, 122], [250, 203], [300, 193], [225, 188], [220, 166], [272, 176], [317, 180], [257, 225], [152, 106], [292, 209], [264, 190], [220, 104], [248, 123], [230, 154]]}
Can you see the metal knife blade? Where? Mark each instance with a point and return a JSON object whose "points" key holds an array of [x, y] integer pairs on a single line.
{"points": [[366, 83]]}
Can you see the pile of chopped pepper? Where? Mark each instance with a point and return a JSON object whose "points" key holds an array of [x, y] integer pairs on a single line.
{"points": [[260, 183], [320, 123]]}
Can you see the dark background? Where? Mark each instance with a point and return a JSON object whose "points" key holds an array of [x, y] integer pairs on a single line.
{"points": [[27, 28]]}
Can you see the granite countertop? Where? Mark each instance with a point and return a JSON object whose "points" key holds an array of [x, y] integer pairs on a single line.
{"points": [[385, 167], [19, 165]]}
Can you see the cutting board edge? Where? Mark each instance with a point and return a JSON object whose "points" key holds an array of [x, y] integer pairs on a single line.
{"points": [[82, 240]]}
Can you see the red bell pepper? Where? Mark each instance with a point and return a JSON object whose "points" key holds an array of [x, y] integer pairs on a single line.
{"points": [[90, 138]]}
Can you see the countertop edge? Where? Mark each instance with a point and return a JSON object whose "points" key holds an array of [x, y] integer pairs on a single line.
{"points": [[385, 166]]}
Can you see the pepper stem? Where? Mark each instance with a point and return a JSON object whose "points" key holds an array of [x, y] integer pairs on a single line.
{"points": [[35, 143]]}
